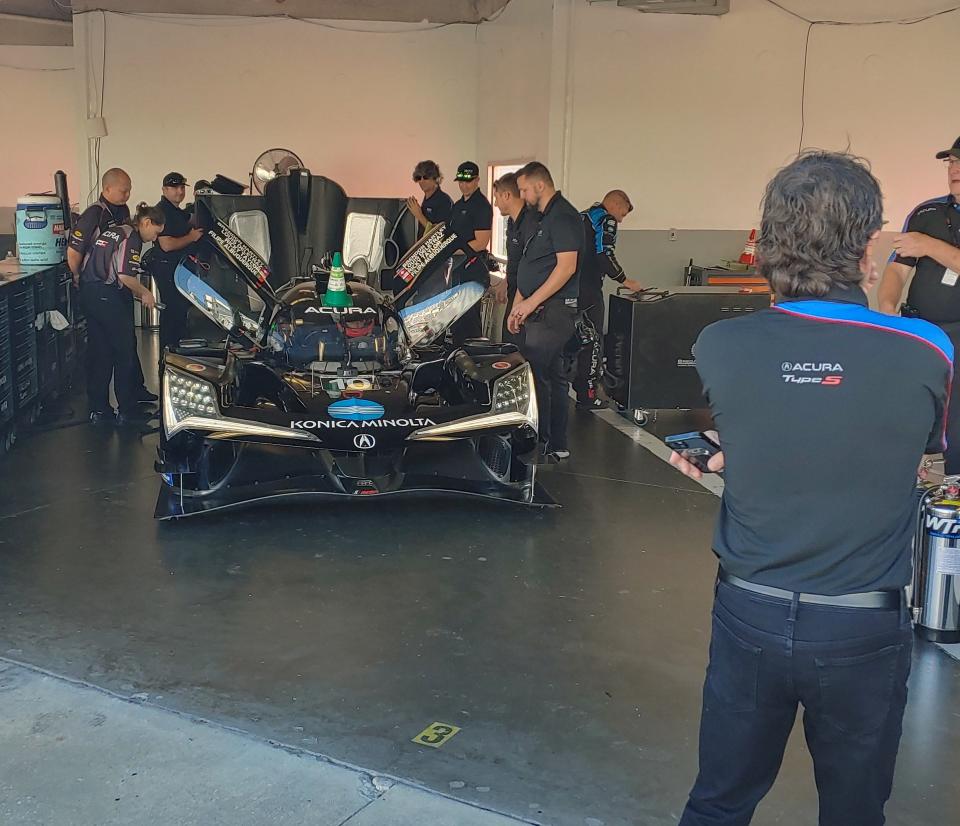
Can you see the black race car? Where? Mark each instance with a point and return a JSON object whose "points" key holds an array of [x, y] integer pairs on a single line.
{"points": [[305, 399]]}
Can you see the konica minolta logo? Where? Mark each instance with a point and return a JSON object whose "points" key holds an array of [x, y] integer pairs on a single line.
{"points": [[826, 373], [344, 424]]}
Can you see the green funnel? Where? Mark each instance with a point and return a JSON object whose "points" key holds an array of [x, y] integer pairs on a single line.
{"points": [[336, 294]]}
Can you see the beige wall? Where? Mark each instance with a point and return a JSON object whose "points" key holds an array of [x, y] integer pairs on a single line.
{"points": [[38, 122], [206, 97], [692, 115], [514, 62]]}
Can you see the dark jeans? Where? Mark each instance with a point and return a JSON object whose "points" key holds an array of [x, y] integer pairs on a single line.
{"points": [[542, 339], [590, 361], [173, 318], [847, 667], [951, 456], [111, 348]]}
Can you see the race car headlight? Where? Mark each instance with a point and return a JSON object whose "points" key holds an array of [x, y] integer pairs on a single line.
{"points": [[190, 403], [189, 396], [514, 404]]}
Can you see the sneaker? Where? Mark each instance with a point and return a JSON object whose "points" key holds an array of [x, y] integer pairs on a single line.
{"points": [[593, 404], [146, 397], [103, 417]]}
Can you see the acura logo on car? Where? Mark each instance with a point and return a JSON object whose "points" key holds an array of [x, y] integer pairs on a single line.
{"points": [[364, 441]]}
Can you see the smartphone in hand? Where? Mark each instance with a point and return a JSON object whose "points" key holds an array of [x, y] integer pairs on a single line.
{"points": [[696, 448]]}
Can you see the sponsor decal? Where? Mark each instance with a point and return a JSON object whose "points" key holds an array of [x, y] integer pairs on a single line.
{"points": [[195, 368], [235, 248], [359, 384], [77, 234], [101, 242], [364, 441], [790, 369], [356, 410], [502, 365], [342, 424], [421, 257], [942, 525]]}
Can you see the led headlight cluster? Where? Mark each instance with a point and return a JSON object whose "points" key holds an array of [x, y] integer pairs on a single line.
{"points": [[190, 403], [514, 404], [191, 397], [512, 393]]}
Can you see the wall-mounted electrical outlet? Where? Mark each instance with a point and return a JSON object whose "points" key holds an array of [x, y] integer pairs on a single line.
{"points": [[673, 235]]}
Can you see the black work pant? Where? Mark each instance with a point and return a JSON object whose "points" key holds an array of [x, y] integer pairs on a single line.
{"points": [[543, 336], [590, 361], [111, 348], [173, 318], [847, 667], [951, 456], [505, 335]]}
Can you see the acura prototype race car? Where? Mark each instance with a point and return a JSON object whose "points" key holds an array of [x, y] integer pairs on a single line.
{"points": [[360, 396]]}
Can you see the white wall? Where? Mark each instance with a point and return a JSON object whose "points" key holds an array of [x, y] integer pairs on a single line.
{"points": [[38, 123], [514, 71], [204, 96], [692, 115]]}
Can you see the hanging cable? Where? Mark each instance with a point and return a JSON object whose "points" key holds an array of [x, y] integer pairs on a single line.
{"points": [[907, 21]]}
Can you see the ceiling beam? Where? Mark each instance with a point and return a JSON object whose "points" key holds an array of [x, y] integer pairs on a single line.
{"points": [[394, 11]]}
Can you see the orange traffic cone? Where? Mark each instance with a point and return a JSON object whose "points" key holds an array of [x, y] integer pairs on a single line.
{"points": [[749, 254]]}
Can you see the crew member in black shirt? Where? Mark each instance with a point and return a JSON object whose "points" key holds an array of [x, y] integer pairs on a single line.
{"points": [[109, 278], [436, 205], [545, 306], [110, 210], [521, 221], [600, 223], [472, 220], [824, 410], [930, 242], [172, 245]]}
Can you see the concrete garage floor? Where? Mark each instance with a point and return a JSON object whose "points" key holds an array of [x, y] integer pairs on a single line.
{"points": [[569, 645]]}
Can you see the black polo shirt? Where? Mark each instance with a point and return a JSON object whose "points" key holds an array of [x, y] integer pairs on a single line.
{"points": [[437, 207], [176, 225], [518, 233], [116, 251], [559, 230], [929, 296], [470, 215], [96, 218], [824, 409]]}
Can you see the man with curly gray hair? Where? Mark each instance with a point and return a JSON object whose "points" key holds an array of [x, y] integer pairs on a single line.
{"points": [[809, 607]]}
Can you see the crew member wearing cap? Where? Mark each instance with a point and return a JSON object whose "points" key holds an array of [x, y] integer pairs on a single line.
{"points": [[472, 221], [172, 245], [110, 210], [437, 205], [930, 242]]}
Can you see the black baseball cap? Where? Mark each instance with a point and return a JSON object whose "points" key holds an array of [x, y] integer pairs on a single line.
{"points": [[174, 179], [953, 150], [467, 171]]}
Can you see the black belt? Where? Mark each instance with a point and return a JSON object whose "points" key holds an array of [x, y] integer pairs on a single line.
{"points": [[869, 599]]}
